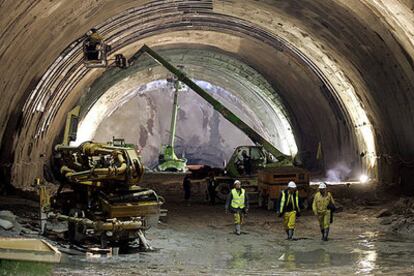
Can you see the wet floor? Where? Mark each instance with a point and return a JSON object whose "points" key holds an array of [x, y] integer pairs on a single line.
{"points": [[199, 240]]}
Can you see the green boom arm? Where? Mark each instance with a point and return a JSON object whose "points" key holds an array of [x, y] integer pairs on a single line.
{"points": [[230, 116]]}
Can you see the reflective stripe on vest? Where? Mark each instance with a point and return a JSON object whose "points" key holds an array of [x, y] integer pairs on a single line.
{"points": [[238, 200], [283, 202]]}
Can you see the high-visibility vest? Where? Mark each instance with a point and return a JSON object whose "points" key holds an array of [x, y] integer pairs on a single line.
{"points": [[289, 199], [320, 202], [238, 200]]}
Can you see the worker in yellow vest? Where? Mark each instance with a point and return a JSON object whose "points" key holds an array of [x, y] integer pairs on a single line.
{"points": [[289, 208], [323, 206], [238, 204]]}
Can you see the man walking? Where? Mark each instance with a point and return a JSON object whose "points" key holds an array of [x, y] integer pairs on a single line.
{"points": [[323, 205], [238, 203], [187, 190], [289, 208], [211, 188]]}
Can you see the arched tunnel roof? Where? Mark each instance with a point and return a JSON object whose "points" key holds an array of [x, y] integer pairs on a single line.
{"points": [[342, 70]]}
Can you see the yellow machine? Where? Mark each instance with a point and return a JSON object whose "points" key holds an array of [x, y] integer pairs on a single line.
{"points": [[99, 196], [271, 181]]}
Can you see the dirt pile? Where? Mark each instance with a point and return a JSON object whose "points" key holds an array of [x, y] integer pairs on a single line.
{"points": [[399, 218]]}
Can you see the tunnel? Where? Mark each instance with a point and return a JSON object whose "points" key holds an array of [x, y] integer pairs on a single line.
{"points": [[333, 74], [331, 82]]}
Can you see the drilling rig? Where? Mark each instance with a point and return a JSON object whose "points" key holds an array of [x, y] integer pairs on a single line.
{"points": [[99, 196]]}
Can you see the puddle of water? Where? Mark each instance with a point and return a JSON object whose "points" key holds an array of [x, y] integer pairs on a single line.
{"points": [[209, 252]]}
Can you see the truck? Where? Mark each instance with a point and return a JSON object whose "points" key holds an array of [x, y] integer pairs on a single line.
{"points": [[271, 181]]}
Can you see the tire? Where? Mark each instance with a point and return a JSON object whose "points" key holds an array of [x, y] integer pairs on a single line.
{"points": [[222, 190]]}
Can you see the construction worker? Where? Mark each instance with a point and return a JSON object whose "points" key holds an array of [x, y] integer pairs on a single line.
{"points": [[247, 163], [187, 189], [322, 206], [238, 204], [211, 188], [289, 208], [91, 43]]}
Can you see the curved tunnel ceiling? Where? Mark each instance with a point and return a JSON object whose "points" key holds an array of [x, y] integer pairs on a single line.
{"points": [[336, 66], [234, 84]]}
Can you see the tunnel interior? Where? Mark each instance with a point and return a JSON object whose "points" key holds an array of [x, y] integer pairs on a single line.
{"points": [[330, 82], [304, 74], [322, 84]]}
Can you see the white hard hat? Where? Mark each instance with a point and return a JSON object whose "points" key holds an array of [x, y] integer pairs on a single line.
{"points": [[292, 185], [237, 182], [322, 186]]}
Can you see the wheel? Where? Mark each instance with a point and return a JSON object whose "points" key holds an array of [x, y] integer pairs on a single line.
{"points": [[123, 246], [222, 190]]}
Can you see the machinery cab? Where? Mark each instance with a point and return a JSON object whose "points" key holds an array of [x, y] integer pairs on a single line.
{"points": [[95, 52], [247, 160]]}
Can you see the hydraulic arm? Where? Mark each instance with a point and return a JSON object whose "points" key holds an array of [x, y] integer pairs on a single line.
{"points": [[230, 116]]}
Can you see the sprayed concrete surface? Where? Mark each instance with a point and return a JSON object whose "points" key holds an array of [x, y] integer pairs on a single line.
{"points": [[198, 239]]}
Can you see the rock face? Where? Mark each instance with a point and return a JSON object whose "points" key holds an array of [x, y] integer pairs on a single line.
{"points": [[203, 136]]}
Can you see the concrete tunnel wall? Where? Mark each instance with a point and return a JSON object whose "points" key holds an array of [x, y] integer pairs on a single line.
{"points": [[344, 69]]}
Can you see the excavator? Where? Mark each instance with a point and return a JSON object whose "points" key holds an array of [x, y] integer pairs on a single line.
{"points": [[249, 164]]}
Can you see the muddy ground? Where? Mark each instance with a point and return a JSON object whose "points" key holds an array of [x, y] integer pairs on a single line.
{"points": [[198, 239]]}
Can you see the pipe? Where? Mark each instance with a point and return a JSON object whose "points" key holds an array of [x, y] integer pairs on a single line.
{"points": [[99, 172], [134, 195], [113, 225]]}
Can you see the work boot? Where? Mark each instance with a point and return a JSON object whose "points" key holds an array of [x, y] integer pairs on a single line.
{"points": [[287, 233], [237, 229], [290, 234], [325, 235]]}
